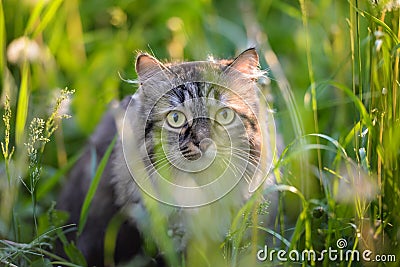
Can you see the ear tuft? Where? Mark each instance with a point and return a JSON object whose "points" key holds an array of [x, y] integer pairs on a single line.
{"points": [[147, 65], [247, 62]]}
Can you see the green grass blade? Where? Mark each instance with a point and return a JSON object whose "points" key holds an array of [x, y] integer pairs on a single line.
{"points": [[377, 21], [93, 187], [23, 102], [332, 141], [49, 14], [347, 139], [34, 17], [275, 234], [360, 106], [2, 41], [110, 238]]}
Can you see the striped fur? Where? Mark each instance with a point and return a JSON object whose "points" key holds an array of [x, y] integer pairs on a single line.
{"points": [[199, 90]]}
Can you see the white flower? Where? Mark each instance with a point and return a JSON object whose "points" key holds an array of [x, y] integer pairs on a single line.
{"points": [[387, 5], [378, 44], [378, 41], [392, 5], [22, 49]]}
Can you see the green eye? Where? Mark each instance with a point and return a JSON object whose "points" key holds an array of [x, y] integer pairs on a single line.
{"points": [[176, 119], [225, 116]]}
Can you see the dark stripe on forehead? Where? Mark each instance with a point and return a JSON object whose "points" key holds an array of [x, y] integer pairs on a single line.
{"points": [[176, 95], [184, 92], [191, 93], [213, 91], [194, 89], [217, 94], [199, 88]]}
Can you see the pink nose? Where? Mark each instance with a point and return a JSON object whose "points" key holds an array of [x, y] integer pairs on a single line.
{"points": [[205, 143]]}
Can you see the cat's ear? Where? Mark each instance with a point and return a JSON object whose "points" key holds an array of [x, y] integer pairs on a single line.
{"points": [[146, 66], [247, 62]]}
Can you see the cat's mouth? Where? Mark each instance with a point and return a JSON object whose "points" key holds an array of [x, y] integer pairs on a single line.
{"points": [[195, 157]]}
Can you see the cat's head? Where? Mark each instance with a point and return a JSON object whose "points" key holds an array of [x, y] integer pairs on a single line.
{"points": [[200, 120]]}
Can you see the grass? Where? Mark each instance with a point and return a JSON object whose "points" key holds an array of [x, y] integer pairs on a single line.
{"points": [[334, 69]]}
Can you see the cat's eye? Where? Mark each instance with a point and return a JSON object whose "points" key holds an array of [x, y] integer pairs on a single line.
{"points": [[176, 119], [225, 116]]}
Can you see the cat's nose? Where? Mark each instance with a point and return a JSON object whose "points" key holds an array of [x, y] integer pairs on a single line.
{"points": [[200, 131], [204, 144]]}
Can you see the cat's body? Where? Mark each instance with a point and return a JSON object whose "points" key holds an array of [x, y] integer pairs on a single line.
{"points": [[193, 144]]}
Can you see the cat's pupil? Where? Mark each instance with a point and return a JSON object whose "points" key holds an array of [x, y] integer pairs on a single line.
{"points": [[175, 117], [224, 114]]}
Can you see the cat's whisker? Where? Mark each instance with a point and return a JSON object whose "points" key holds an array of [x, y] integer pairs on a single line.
{"points": [[244, 153], [243, 175], [155, 169], [250, 163]]}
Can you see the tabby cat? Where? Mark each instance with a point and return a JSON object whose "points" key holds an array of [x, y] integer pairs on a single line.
{"points": [[193, 144]]}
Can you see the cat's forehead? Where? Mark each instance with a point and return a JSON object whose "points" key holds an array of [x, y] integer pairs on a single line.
{"points": [[154, 74], [195, 83], [195, 73], [199, 94], [196, 69]]}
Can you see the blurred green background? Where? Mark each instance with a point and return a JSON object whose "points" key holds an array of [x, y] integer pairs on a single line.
{"points": [[85, 45], [333, 67], [89, 46]]}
